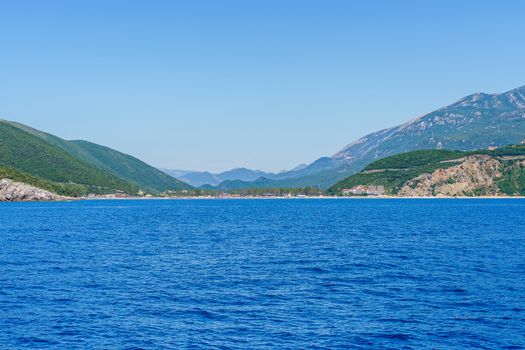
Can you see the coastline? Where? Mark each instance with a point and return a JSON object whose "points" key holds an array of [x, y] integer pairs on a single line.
{"points": [[66, 200], [286, 198]]}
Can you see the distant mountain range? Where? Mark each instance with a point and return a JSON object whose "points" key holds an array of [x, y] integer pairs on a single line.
{"points": [[475, 122], [207, 180], [75, 167], [200, 178]]}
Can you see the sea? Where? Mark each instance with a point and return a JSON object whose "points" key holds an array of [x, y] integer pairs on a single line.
{"points": [[263, 274]]}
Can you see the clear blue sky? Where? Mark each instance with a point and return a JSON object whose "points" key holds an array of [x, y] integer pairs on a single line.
{"points": [[211, 85]]}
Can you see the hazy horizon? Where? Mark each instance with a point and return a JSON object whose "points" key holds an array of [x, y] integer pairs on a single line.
{"points": [[265, 85]]}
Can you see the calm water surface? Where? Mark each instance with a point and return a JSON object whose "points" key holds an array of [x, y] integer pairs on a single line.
{"points": [[253, 274]]}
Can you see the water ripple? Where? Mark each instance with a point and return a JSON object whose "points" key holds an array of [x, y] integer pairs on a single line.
{"points": [[263, 274]]}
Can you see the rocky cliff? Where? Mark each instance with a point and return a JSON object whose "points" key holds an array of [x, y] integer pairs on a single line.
{"points": [[475, 175], [11, 191], [445, 173]]}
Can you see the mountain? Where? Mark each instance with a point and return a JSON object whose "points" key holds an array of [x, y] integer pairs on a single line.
{"points": [[298, 167], [31, 155], [242, 174], [194, 178], [474, 122], [429, 173], [97, 168], [203, 178]]}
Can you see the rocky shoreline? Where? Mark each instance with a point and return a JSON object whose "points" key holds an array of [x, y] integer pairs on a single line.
{"points": [[11, 191]]}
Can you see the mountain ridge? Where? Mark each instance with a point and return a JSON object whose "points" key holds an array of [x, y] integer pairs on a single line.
{"points": [[203, 178]]}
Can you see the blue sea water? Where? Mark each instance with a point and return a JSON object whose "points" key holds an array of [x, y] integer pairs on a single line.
{"points": [[263, 274]]}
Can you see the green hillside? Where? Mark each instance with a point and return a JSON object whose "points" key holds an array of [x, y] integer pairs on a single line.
{"points": [[31, 155], [127, 167], [395, 171], [132, 171]]}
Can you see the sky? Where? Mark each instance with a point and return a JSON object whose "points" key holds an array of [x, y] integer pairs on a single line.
{"points": [[265, 84]]}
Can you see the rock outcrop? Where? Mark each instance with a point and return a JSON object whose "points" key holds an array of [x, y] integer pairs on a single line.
{"points": [[11, 191], [475, 175]]}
